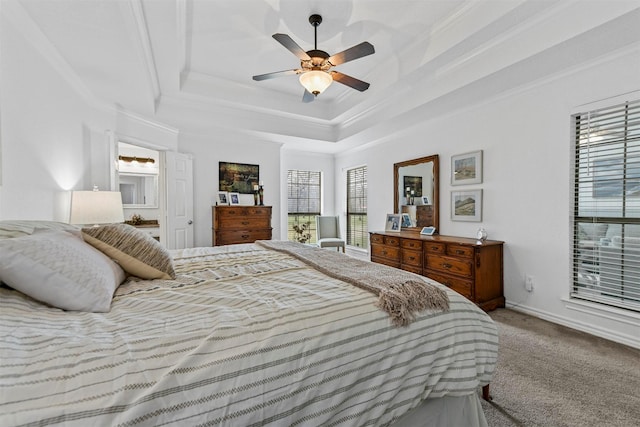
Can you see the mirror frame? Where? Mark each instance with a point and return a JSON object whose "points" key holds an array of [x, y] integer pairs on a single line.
{"points": [[436, 185]]}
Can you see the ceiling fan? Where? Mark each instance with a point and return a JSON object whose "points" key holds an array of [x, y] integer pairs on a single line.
{"points": [[315, 65]]}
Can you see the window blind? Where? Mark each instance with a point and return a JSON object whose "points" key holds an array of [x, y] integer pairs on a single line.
{"points": [[303, 203], [357, 228], [606, 216]]}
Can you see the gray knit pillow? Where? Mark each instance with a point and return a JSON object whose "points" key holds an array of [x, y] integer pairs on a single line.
{"points": [[136, 252]]}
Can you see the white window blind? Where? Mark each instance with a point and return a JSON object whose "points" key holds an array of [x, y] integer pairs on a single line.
{"points": [[303, 202], [357, 229], [606, 217]]}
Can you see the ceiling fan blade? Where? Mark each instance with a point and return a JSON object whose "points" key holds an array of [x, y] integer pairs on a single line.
{"points": [[355, 52], [275, 74], [288, 42], [308, 96], [352, 82]]}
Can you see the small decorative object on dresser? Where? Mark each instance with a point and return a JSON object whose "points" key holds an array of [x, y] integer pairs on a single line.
{"points": [[240, 224], [473, 270], [261, 193], [255, 194]]}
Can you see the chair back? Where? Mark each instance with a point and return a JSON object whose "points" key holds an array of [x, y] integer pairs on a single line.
{"points": [[327, 226]]}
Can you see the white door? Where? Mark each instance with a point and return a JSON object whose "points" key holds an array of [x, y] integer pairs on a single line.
{"points": [[179, 200]]}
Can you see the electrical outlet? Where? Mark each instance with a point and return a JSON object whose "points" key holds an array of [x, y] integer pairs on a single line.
{"points": [[528, 283]]}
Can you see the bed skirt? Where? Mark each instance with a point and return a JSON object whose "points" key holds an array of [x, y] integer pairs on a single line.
{"points": [[446, 411]]}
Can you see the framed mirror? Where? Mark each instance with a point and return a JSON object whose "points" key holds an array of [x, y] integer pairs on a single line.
{"points": [[139, 190], [416, 191]]}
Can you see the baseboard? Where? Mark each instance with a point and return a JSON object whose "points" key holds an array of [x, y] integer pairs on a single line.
{"points": [[608, 334]]}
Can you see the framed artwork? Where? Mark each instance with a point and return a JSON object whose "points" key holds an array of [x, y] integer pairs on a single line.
{"points": [[466, 205], [466, 168], [413, 183], [393, 222], [237, 177], [406, 220], [425, 200], [223, 198], [234, 199]]}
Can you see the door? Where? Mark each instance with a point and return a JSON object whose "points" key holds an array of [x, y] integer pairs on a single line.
{"points": [[179, 200]]}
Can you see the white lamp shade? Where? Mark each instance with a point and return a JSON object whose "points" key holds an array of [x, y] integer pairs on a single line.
{"points": [[96, 207], [315, 81]]}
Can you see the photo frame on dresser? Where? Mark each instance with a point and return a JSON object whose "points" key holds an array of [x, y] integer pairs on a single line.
{"points": [[223, 198], [234, 199], [393, 222]]}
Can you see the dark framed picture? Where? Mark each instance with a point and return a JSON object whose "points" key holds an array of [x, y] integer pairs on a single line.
{"points": [[238, 177], [234, 199], [413, 185]]}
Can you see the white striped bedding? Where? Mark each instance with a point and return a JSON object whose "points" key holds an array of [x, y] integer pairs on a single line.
{"points": [[244, 336]]}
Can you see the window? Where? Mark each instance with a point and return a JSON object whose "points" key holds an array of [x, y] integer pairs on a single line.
{"points": [[303, 205], [357, 230], [606, 217]]}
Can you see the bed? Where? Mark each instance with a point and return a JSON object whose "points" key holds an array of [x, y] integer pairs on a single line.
{"points": [[243, 335]]}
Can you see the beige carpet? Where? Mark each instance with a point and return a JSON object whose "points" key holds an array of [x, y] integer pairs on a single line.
{"points": [[549, 375]]}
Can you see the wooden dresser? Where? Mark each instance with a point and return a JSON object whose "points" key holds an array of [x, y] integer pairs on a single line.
{"points": [[471, 269], [240, 224]]}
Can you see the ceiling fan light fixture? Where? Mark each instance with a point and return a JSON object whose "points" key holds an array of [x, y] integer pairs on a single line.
{"points": [[316, 81]]}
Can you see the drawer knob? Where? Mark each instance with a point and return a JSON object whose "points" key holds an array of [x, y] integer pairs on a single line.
{"points": [[384, 252], [434, 248], [245, 222], [446, 265], [459, 252], [245, 236], [411, 258]]}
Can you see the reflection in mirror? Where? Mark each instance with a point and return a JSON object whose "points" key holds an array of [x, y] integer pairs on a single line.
{"points": [[139, 190], [137, 173], [416, 190]]}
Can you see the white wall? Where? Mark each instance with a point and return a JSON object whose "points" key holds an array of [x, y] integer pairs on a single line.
{"points": [[229, 146], [54, 139], [525, 136]]}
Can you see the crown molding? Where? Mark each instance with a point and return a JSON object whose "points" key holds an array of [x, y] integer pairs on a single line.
{"points": [[139, 32]]}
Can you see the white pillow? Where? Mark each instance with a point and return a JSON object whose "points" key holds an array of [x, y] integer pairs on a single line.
{"points": [[59, 269]]}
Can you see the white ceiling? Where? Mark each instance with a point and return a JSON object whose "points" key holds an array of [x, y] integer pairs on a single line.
{"points": [[189, 64]]}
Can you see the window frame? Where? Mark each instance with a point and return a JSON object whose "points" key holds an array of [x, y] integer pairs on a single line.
{"points": [[356, 201], [299, 217], [605, 268]]}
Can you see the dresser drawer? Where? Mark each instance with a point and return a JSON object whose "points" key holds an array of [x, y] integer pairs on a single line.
{"points": [[391, 241], [388, 252], [377, 239], [243, 222], [230, 237], [435, 247], [410, 257], [461, 267], [460, 251], [243, 211], [411, 244], [461, 286]]}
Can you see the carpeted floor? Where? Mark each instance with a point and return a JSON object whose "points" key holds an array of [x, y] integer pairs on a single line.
{"points": [[549, 375]]}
